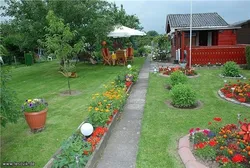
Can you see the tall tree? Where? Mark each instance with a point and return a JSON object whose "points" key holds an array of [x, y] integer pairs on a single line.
{"points": [[28, 19], [152, 33], [93, 19]]}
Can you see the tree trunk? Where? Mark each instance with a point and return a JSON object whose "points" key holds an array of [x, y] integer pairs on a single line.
{"points": [[69, 86]]}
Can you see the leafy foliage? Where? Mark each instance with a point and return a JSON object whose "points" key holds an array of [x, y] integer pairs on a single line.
{"points": [[177, 77], [208, 152], [152, 33], [98, 119], [72, 150], [248, 56], [91, 19], [183, 96], [231, 69], [9, 108]]}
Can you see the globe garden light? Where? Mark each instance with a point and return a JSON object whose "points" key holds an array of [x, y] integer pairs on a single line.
{"points": [[87, 129], [129, 66], [155, 70]]}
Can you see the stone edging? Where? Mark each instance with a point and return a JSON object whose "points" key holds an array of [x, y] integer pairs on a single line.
{"points": [[195, 76], [232, 100], [186, 154], [100, 146], [200, 105], [222, 76]]}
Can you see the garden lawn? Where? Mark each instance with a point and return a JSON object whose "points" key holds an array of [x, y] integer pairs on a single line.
{"points": [[65, 113], [162, 126]]}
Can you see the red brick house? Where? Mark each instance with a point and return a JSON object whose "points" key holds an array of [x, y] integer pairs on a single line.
{"points": [[213, 39]]}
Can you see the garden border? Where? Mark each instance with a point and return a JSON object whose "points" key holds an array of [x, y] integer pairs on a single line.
{"points": [[195, 76], [222, 76], [93, 160], [200, 105], [186, 154], [231, 100]]}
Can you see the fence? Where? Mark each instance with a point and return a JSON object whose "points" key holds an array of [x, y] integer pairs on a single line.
{"points": [[218, 54]]}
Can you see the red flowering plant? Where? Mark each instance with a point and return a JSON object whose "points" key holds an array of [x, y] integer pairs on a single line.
{"points": [[169, 70], [228, 145], [239, 91]]}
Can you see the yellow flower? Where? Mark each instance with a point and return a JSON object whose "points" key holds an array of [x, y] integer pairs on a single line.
{"points": [[96, 109], [104, 100], [29, 100], [107, 110]]}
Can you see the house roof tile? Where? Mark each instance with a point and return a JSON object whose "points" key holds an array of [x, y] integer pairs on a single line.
{"points": [[199, 20]]}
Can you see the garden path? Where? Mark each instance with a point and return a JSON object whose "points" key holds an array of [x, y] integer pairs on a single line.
{"points": [[122, 146]]}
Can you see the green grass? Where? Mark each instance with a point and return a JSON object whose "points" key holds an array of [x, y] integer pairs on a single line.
{"points": [[65, 112], [163, 126]]}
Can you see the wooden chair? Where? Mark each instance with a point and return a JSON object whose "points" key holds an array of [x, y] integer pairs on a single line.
{"points": [[107, 59], [121, 57], [130, 54]]}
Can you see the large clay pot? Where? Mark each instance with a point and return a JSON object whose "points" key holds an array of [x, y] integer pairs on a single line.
{"points": [[36, 120]]}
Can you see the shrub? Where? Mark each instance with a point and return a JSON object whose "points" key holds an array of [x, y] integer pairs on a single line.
{"points": [[231, 69], [248, 56], [9, 109], [183, 96], [177, 77]]}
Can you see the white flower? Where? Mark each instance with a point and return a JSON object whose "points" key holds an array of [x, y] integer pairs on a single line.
{"points": [[129, 66]]}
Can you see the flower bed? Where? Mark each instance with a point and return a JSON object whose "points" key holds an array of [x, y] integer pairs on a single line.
{"points": [[80, 150], [169, 70], [228, 145], [239, 91]]}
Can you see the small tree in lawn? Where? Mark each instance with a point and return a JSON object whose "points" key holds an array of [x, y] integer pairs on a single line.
{"points": [[60, 41]]}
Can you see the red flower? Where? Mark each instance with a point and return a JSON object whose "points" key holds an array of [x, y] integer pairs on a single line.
{"points": [[200, 145], [248, 94], [242, 99], [245, 131], [99, 131], [110, 119], [206, 132], [197, 129], [229, 95], [217, 119], [223, 159], [237, 158], [191, 130], [212, 143], [115, 111]]}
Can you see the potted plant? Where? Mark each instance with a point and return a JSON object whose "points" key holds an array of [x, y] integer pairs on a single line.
{"points": [[35, 112]]}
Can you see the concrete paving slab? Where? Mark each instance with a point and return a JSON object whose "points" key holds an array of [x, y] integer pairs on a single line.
{"points": [[121, 149]]}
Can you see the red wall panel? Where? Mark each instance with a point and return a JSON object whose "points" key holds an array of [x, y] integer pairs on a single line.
{"points": [[227, 37], [218, 54]]}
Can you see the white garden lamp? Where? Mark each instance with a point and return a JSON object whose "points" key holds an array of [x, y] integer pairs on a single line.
{"points": [[87, 129]]}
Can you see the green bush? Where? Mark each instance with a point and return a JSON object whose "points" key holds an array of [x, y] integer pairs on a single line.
{"points": [[9, 108], [231, 69], [248, 56], [177, 77], [183, 96]]}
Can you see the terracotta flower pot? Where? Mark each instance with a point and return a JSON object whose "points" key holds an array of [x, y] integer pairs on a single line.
{"points": [[36, 120]]}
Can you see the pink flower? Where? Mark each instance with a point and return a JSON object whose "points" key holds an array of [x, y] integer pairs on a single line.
{"points": [[197, 129], [206, 132]]}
